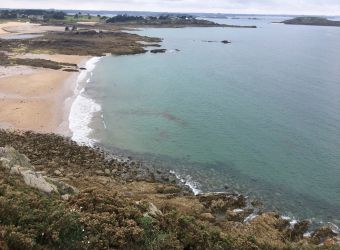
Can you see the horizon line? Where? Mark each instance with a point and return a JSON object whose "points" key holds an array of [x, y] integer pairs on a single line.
{"points": [[175, 12]]}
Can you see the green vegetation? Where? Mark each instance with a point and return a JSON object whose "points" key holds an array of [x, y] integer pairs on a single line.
{"points": [[35, 15], [29, 219], [118, 213], [81, 18], [167, 21]]}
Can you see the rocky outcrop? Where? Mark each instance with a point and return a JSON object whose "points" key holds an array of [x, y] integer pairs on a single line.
{"points": [[322, 234], [19, 164], [222, 201], [156, 51], [124, 204], [225, 41], [297, 231]]}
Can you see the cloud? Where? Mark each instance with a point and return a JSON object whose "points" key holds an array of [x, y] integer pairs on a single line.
{"points": [[320, 7]]}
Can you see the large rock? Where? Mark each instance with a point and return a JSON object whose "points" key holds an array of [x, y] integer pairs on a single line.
{"points": [[37, 181], [155, 51], [153, 211], [19, 164], [238, 215], [298, 230], [321, 234], [221, 202]]}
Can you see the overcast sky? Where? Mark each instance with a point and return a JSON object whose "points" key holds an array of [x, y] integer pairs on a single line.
{"points": [[309, 7]]}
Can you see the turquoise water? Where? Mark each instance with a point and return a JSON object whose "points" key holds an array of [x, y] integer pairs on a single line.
{"points": [[260, 115]]}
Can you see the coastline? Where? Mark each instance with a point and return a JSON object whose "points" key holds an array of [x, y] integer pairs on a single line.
{"points": [[82, 108], [74, 118], [31, 97]]}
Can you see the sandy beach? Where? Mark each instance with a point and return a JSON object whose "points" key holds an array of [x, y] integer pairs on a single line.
{"points": [[10, 28], [37, 99]]}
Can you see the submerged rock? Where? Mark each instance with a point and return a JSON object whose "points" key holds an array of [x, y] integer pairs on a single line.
{"points": [[225, 41], [155, 51]]}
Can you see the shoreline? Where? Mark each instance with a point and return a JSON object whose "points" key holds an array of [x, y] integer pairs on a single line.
{"points": [[77, 109], [82, 108], [31, 97], [83, 138]]}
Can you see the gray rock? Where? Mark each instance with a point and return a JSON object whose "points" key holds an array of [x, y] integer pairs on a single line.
{"points": [[99, 172], [65, 197], [37, 181], [58, 173], [153, 211], [19, 164]]}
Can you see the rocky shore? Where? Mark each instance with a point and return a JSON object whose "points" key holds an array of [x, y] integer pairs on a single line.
{"points": [[57, 194]]}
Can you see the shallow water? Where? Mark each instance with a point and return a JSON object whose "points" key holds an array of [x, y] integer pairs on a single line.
{"points": [[260, 115]]}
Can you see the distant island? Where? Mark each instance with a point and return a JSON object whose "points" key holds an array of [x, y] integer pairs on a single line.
{"points": [[49, 17], [316, 21], [168, 20]]}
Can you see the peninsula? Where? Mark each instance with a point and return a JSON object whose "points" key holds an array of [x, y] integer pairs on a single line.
{"points": [[315, 21]]}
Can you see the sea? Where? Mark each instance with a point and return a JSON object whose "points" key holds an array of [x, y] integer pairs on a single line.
{"points": [[259, 116]]}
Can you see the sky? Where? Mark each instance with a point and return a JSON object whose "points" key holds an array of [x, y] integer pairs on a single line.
{"points": [[297, 7]]}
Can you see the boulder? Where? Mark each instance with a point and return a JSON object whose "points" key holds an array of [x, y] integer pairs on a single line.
{"points": [[153, 211], [225, 41], [58, 173], [99, 172], [221, 202], [298, 230], [321, 234], [238, 215], [19, 164], [155, 51], [37, 181]]}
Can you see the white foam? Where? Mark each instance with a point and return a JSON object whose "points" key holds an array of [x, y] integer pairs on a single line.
{"points": [[250, 218], [83, 107], [187, 181], [334, 227], [103, 120], [307, 235]]}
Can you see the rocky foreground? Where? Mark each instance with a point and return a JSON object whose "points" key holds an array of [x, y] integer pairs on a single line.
{"points": [[55, 194]]}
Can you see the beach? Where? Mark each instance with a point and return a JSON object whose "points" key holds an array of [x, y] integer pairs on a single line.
{"points": [[37, 99]]}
